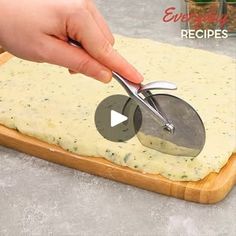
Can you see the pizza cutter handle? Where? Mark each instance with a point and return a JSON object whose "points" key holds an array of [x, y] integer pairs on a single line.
{"points": [[131, 88], [158, 85]]}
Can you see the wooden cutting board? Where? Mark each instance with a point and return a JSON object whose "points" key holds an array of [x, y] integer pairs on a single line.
{"points": [[211, 189]]}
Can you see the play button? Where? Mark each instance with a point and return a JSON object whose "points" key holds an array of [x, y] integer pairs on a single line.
{"points": [[118, 118]]}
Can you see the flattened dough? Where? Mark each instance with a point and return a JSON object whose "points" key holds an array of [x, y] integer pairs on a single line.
{"points": [[46, 102]]}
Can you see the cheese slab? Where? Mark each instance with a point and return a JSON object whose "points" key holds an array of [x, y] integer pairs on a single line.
{"points": [[45, 102]]}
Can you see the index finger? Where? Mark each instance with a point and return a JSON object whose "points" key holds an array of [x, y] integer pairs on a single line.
{"points": [[95, 43]]}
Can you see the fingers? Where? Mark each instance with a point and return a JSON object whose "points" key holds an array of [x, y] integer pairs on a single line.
{"points": [[98, 18], [95, 43], [76, 59]]}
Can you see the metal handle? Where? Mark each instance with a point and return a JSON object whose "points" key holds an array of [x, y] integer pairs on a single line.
{"points": [[158, 85], [131, 88]]}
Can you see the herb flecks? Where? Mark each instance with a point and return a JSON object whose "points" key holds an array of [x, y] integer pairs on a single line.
{"points": [[127, 156]]}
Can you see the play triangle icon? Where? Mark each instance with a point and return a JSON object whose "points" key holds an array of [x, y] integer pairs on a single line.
{"points": [[117, 118]]}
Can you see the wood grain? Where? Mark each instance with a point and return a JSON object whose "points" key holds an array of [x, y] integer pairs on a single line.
{"points": [[211, 189]]}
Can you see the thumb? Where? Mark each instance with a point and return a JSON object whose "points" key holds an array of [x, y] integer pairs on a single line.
{"points": [[59, 52]]}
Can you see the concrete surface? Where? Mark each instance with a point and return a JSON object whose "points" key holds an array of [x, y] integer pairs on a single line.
{"points": [[40, 198]]}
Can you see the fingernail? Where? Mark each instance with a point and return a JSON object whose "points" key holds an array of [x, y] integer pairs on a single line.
{"points": [[140, 77], [72, 72], [104, 76]]}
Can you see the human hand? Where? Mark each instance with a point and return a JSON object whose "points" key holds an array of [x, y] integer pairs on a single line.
{"points": [[38, 30]]}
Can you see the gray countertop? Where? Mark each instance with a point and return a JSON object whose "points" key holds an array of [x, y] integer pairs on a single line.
{"points": [[41, 198]]}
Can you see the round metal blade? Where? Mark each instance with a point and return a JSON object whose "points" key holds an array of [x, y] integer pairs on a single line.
{"points": [[189, 135]]}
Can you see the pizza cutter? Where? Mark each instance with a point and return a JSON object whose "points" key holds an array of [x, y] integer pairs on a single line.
{"points": [[169, 124]]}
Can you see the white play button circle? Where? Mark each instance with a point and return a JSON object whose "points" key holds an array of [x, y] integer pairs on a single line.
{"points": [[118, 118]]}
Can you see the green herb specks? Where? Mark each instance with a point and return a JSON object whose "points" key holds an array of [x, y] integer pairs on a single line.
{"points": [[127, 156]]}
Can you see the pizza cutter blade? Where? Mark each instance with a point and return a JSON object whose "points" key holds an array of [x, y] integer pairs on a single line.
{"points": [[188, 138]]}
